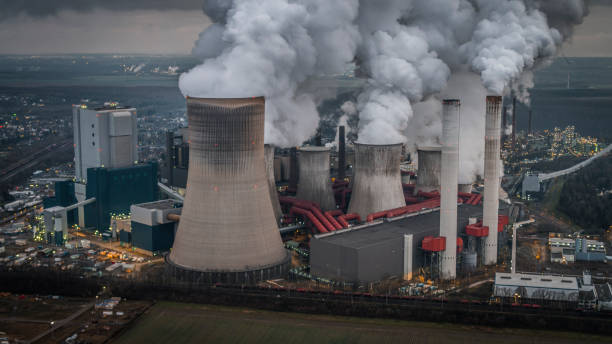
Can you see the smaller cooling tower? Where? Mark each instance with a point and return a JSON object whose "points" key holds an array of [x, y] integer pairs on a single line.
{"points": [[269, 156], [377, 185], [428, 173], [314, 180]]}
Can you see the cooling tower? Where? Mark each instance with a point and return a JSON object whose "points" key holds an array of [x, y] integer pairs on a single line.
{"points": [[449, 170], [377, 185], [314, 180], [269, 157], [428, 173], [227, 231], [491, 176]]}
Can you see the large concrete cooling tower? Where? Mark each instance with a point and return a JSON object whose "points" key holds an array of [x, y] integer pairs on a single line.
{"points": [[314, 180], [491, 176], [449, 171], [428, 173], [227, 231], [269, 157], [378, 183]]}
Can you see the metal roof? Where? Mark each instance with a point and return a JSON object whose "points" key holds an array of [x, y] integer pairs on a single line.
{"points": [[536, 281], [363, 236]]}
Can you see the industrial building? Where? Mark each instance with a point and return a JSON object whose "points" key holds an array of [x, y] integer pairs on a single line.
{"points": [[536, 287], [569, 250], [385, 248], [105, 136], [153, 225]]}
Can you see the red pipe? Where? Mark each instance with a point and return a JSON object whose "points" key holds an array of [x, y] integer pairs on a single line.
{"points": [[477, 200], [408, 186], [410, 199], [344, 219], [429, 204], [433, 194], [330, 217], [465, 194], [471, 199], [311, 217]]}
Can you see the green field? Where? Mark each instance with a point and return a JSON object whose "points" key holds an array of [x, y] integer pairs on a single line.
{"points": [[193, 323]]}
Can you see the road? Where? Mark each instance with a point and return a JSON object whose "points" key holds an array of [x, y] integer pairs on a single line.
{"points": [[61, 323]]}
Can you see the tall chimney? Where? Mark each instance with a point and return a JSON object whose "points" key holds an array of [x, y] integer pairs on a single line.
{"points": [[293, 169], [530, 121], [314, 183], [491, 176], [448, 188], [269, 157], [513, 123], [428, 173], [341, 153], [227, 231], [377, 184]]}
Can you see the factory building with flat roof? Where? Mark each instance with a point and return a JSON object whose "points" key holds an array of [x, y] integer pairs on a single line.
{"points": [[382, 249]]}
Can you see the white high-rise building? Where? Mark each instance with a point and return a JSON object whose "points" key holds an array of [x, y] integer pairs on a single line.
{"points": [[105, 136]]}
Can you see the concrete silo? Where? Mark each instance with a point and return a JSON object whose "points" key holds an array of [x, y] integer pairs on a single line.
{"points": [[428, 173], [449, 172], [269, 156], [227, 231], [491, 176], [377, 183], [314, 183]]}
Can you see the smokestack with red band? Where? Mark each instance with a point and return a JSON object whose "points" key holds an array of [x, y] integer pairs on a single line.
{"points": [[315, 183], [491, 176], [378, 182], [448, 188], [227, 231]]}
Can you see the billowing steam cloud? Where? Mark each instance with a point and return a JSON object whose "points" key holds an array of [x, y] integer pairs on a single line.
{"points": [[412, 52], [270, 48]]}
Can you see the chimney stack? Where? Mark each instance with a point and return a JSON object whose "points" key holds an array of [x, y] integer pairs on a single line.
{"points": [[513, 123], [491, 176], [377, 184], [227, 231], [341, 153], [448, 188]]}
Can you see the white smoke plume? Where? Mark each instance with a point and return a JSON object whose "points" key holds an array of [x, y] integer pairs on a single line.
{"points": [[407, 49], [269, 48]]}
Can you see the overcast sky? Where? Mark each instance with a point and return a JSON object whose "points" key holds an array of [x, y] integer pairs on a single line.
{"points": [[149, 27]]}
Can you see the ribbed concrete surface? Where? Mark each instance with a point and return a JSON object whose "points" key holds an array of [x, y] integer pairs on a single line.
{"points": [[227, 223], [269, 158], [449, 171], [314, 180], [491, 176], [428, 173], [378, 184]]}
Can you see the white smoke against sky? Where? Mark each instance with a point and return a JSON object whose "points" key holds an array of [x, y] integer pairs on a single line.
{"points": [[407, 49], [269, 48]]}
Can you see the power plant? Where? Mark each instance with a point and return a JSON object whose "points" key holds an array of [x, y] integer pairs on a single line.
{"points": [[378, 184], [227, 230]]}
